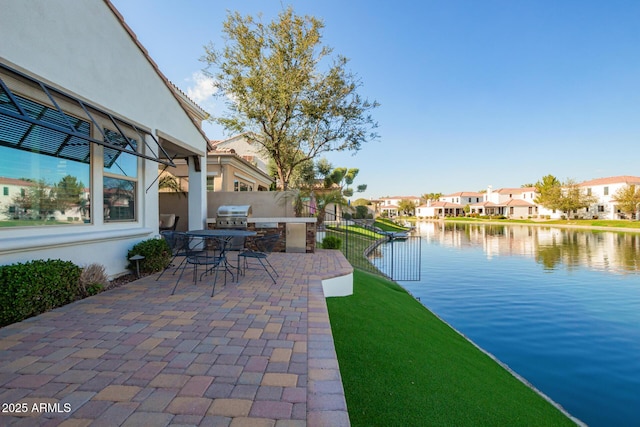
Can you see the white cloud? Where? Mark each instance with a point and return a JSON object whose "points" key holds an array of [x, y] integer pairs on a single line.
{"points": [[201, 89]]}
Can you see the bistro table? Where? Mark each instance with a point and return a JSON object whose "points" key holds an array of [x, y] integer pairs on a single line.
{"points": [[225, 235]]}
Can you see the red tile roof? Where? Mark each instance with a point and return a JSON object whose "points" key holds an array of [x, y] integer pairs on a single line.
{"points": [[623, 179], [519, 190], [14, 181], [465, 194]]}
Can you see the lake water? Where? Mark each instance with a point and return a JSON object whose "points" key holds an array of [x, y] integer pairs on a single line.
{"points": [[560, 307]]}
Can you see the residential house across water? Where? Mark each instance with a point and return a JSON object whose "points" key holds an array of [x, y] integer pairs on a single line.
{"points": [[520, 202]]}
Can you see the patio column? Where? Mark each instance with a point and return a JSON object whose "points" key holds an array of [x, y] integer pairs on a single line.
{"points": [[197, 166]]}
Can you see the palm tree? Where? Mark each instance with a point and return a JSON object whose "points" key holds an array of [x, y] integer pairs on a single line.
{"points": [[170, 183]]}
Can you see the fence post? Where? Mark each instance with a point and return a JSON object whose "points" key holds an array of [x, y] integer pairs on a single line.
{"points": [[392, 259]]}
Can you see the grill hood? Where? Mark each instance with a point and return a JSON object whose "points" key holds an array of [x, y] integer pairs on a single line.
{"points": [[234, 211]]}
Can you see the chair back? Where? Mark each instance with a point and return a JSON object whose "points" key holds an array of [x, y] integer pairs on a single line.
{"points": [[236, 243], [266, 243], [206, 247], [176, 240]]}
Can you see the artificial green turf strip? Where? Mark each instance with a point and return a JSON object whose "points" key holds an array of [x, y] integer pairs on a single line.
{"points": [[402, 366]]}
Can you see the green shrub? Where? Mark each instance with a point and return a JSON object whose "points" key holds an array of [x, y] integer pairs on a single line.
{"points": [[35, 287], [331, 242], [156, 253]]}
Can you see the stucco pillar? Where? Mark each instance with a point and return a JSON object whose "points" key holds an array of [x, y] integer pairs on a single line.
{"points": [[197, 166], [149, 203]]}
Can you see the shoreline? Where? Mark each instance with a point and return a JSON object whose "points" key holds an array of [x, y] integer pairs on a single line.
{"points": [[538, 224]]}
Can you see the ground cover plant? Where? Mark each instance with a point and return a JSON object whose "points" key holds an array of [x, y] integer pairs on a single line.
{"points": [[402, 366]]}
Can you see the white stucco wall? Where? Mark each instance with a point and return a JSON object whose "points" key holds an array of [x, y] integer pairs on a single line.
{"points": [[81, 48]]}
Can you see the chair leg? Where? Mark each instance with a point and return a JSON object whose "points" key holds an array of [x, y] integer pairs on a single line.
{"points": [[215, 278], [166, 268], [178, 281], [169, 266], [267, 270], [272, 269]]}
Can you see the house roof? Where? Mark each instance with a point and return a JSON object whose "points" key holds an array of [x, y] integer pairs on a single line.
{"points": [[442, 205], [623, 179], [399, 198], [183, 100], [247, 136], [464, 194], [518, 202], [14, 181], [231, 153], [518, 190]]}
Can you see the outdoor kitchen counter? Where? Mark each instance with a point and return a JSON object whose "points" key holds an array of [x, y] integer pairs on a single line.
{"points": [[299, 234], [272, 220]]}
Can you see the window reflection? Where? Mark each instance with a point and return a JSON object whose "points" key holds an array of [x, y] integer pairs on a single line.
{"points": [[37, 190], [119, 199]]}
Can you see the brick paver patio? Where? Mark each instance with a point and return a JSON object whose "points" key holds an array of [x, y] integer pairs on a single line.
{"points": [[256, 354]]}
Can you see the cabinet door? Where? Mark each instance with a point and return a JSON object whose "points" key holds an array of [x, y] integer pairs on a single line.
{"points": [[296, 238]]}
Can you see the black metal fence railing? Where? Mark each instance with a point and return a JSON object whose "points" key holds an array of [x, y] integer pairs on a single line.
{"points": [[368, 248]]}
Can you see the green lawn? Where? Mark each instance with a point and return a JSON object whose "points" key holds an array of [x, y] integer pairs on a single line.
{"points": [[388, 225], [402, 366]]}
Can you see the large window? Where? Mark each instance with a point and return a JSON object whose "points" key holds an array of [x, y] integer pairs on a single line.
{"points": [[44, 173]]}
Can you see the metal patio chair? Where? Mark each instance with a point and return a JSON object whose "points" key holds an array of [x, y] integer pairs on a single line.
{"points": [[263, 247], [209, 252], [176, 241]]}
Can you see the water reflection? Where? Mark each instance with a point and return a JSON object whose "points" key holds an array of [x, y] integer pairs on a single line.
{"points": [[551, 247]]}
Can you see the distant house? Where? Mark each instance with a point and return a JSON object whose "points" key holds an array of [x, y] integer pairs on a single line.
{"points": [[521, 202], [245, 146], [226, 171], [463, 198], [389, 206], [509, 202], [604, 189], [439, 209], [80, 97]]}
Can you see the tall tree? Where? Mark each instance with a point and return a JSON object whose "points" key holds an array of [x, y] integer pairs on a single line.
{"points": [[39, 199], [549, 191], [67, 192], [574, 197], [565, 197], [272, 80], [628, 199]]}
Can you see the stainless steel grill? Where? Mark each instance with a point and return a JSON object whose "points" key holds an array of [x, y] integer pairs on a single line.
{"points": [[233, 216]]}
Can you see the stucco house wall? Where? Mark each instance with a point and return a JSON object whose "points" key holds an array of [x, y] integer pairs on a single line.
{"points": [[245, 148], [85, 50]]}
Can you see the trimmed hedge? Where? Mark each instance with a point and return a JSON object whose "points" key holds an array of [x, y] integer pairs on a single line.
{"points": [[35, 287], [331, 242]]}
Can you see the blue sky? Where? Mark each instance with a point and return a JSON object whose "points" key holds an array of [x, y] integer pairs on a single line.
{"points": [[472, 93]]}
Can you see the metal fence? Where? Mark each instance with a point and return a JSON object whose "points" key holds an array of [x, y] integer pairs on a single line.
{"points": [[393, 255]]}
